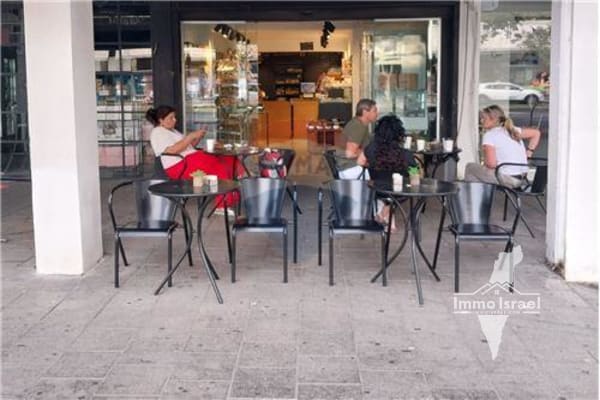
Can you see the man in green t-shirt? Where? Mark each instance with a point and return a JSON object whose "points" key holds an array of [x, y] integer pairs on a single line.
{"points": [[356, 135]]}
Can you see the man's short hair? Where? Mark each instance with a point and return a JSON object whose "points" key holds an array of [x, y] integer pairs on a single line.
{"points": [[364, 105]]}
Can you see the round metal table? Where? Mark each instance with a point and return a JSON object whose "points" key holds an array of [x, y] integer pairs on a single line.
{"points": [[427, 188], [181, 191]]}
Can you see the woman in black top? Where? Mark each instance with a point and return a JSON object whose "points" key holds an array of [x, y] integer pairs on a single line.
{"points": [[385, 156]]}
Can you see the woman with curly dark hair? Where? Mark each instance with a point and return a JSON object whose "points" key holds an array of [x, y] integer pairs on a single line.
{"points": [[385, 156]]}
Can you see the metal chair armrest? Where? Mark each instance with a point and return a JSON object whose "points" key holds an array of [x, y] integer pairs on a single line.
{"points": [[506, 164], [179, 156]]}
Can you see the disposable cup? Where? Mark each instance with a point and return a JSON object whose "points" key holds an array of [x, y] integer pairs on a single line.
{"points": [[210, 144], [407, 142], [420, 144], [448, 145], [211, 180], [397, 181]]}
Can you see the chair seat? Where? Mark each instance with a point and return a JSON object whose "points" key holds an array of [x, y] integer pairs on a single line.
{"points": [[142, 228], [480, 230], [260, 224], [356, 225]]}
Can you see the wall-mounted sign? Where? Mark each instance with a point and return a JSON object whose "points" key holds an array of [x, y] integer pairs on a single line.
{"points": [[306, 46]]}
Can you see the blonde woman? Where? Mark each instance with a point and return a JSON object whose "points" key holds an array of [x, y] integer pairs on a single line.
{"points": [[502, 143]]}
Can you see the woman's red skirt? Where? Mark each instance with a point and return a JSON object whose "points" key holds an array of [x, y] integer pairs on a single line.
{"points": [[221, 166]]}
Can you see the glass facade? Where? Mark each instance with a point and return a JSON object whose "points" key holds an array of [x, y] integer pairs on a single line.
{"points": [[515, 62], [124, 90], [14, 139], [401, 70], [220, 80]]}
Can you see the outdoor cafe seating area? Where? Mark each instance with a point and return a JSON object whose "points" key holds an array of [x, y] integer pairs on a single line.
{"points": [[352, 208], [79, 337]]}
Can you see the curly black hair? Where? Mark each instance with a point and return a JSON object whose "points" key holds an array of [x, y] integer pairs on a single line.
{"points": [[389, 130]]}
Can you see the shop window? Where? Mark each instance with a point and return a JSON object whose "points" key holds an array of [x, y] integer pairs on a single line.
{"points": [[515, 54], [124, 89], [15, 136]]}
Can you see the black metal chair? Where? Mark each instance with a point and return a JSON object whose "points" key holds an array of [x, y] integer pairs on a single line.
{"points": [[535, 188], [352, 202], [282, 169], [470, 209], [262, 200], [155, 218]]}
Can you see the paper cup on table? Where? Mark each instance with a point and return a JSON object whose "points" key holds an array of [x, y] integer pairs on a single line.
{"points": [[407, 142], [420, 144], [448, 145], [210, 144], [212, 181], [397, 180]]}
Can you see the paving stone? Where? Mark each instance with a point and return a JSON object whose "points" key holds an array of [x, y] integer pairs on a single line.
{"points": [[130, 379], [463, 394], [264, 383], [205, 366], [55, 389], [220, 340], [319, 369], [103, 340], [329, 392], [326, 342], [82, 365], [382, 385], [268, 355], [177, 389]]}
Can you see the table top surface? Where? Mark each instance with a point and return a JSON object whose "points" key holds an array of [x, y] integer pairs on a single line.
{"points": [[427, 187], [235, 151], [185, 189]]}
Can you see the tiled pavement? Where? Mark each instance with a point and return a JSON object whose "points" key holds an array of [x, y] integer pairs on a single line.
{"points": [[76, 337]]}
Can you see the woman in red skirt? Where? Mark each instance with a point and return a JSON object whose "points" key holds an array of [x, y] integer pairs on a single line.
{"points": [[164, 138]]}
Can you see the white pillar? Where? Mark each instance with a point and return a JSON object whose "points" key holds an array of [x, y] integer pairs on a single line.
{"points": [[468, 83], [62, 129], [571, 224]]}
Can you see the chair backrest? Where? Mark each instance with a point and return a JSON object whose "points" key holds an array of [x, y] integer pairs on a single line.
{"points": [[287, 157], [352, 199], [151, 207], [540, 180], [472, 204], [329, 156], [159, 171], [263, 197]]}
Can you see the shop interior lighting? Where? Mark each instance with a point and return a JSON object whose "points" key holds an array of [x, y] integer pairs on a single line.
{"points": [[328, 29], [229, 33]]}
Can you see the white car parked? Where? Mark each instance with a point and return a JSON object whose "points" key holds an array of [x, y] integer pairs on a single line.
{"points": [[506, 91]]}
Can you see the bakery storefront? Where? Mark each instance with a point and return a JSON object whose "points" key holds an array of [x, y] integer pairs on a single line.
{"points": [[267, 73]]}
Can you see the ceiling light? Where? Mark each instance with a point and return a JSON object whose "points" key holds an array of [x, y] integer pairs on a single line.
{"points": [[329, 26]]}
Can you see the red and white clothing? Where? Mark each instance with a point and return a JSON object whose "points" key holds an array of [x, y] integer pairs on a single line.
{"points": [[221, 166]]}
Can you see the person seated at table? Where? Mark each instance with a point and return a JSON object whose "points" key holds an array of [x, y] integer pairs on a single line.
{"points": [[502, 143], [356, 135], [164, 138], [385, 156]]}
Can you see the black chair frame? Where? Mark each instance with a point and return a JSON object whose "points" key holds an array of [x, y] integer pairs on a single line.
{"points": [[536, 188], [361, 221], [145, 227], [479, 228], [266, 223]]}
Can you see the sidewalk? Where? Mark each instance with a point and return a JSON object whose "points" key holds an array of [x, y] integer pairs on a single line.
{"points": [[76, 337]]}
